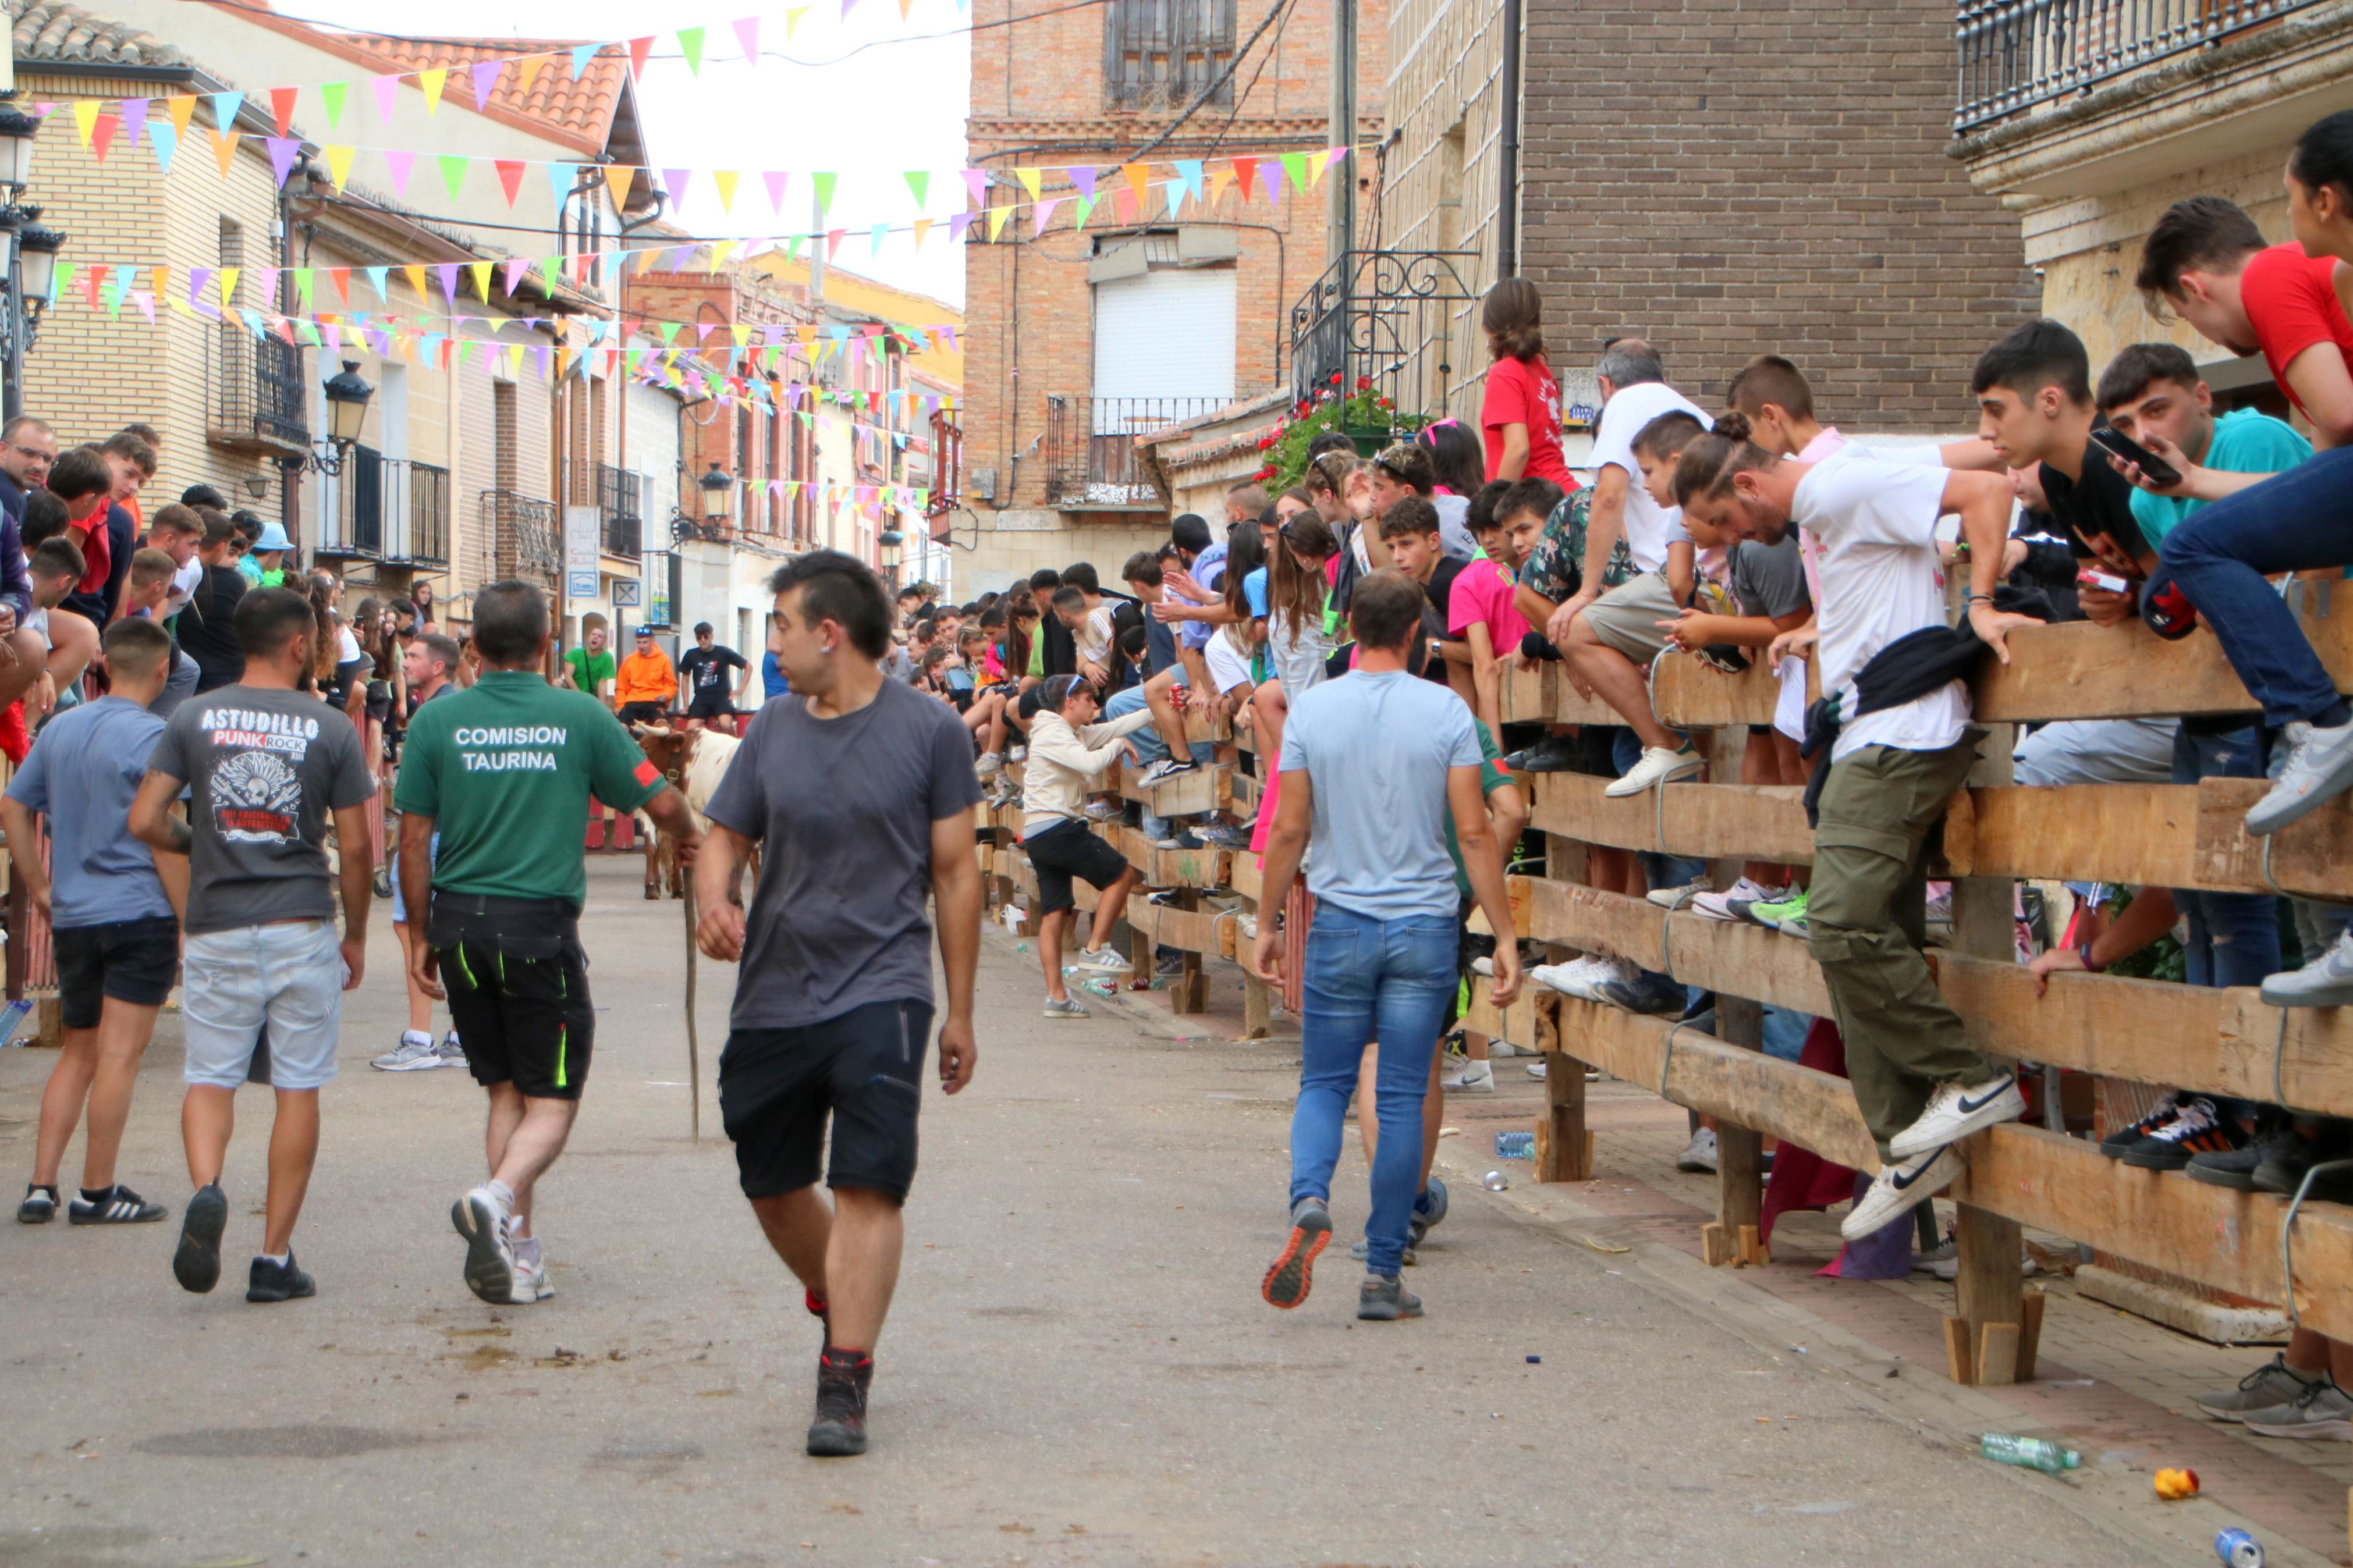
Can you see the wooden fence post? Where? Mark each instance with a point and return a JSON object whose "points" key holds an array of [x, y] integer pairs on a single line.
{"points": [[1740, 1151]]}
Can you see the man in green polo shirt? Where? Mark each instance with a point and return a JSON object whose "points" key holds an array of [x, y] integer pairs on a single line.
{"points": [[593, 666], [503, 771]]}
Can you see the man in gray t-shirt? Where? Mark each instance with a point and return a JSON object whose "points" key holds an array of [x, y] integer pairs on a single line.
{"points": [[264, 766], [858, 790]]}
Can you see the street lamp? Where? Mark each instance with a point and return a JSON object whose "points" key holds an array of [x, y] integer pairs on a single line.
{"points": [[347, 404], [18, 129], [718, 496], [892, 542], [28, 255], [36, 255]]}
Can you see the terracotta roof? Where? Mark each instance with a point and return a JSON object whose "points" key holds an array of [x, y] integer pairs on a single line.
{"points": [[580, 114], [47, 31]]}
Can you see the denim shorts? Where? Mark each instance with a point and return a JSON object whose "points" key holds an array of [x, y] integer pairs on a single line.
{"points": [[290, 975]]}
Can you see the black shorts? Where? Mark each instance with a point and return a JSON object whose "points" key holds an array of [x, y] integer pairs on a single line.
{"points": [[643, 712], [865, 1068], [1597, 750], [711, 705], [1468, 945], [518, 983], [1065, 850], [131, 961]]}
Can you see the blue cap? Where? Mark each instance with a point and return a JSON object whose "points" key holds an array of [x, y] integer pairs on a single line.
{"points": [[273, 537], [644, 632]]}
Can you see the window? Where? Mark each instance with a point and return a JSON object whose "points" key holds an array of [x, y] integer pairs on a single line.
{"points": [[1165, 334], [1161, 54]]}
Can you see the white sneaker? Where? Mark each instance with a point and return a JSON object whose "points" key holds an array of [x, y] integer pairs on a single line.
{"points": [[1949, 1268], [1536, 1070], [1957, 1110], [990, 765], [482, 1220], [1580, 978], [453, 1055], [1483, 966], [416, 1053], [1657, 765], [1714, 905], [1698, 1157], [1476, 1078], [531, 1273], [1682, 897], [1101, 959], [1898, 1189]]}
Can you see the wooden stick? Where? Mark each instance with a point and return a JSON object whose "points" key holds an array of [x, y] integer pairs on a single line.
{"points": [[693, 1038]]}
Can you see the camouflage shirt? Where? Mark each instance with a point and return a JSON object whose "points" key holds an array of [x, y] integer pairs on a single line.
{"points": [[1556, 566]]}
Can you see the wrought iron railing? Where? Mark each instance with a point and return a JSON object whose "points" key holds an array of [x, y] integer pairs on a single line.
{"points": [[518, 537], [1395, 322], [2019, 53], [256, 390], [619, 497], [386, 508], [1091, 455]]}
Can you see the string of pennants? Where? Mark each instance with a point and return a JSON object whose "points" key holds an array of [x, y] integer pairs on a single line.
{"points": [[482, 75], [1200, 179]]}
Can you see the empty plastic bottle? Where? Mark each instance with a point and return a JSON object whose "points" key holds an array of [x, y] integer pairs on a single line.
{"points": [[2033, 1453], [1496, 1182], [1516, 1145]]}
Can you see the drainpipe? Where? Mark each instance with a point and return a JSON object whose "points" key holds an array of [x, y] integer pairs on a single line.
{"points": [[1507, 161]]}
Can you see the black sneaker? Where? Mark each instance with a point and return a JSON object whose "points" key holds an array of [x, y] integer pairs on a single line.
{"points": [[196, 1264], [840, 1429], [1553, 755], [278, 1281], [121, 1205], [1223, 835], [2198, 1129], [40, 1207], [2123, 1138], [2294, 1155], [2235, 1168], [1645, 993]]}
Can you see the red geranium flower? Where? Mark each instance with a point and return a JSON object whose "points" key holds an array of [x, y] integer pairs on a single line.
{"points": [[1336, 378], [1363, 384]]}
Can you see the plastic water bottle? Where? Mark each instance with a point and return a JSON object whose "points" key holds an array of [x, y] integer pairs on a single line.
{"points": [[2239, 1549], [1516, 1145], [2032, 1453]]}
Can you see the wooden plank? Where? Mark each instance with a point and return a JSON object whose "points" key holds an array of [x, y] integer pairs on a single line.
{"points": [[2213, 1235], [1960, 1356], [1998, 1352], [2078, 670], [1766, 822], [1186, 930], [1739, 1151], [1244, 876], [1258, 1008], [2030, 1333], [1691, 695]]}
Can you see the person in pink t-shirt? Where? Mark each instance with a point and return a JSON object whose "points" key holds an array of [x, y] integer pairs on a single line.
{"points": [[1480, 608]]}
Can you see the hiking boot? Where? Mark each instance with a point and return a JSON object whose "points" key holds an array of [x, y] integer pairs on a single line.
{"points": [[842, 1380], [196, 1264], [1383, 1298], [2123, 1138], [1657, 765], [268, 1281], [2267, 1388], [1291, 1275], [2322, 1413], [1957, 1110], [2311, 766], [2326, 982], [117, 1206], [1898, 1189], [2200, 1128]]}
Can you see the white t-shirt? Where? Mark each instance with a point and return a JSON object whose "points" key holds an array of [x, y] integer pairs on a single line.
{"points": [[1649, 527], [183, 584], [1875, 523]]}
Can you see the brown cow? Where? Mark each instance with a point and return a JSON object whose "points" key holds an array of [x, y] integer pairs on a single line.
{"points": [[693, 761]]}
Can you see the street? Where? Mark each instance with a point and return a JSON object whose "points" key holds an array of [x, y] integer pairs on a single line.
{"points": [[1079, 1368]]}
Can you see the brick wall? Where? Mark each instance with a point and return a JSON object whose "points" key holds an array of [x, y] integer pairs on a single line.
{"points": [[1728, 180]]}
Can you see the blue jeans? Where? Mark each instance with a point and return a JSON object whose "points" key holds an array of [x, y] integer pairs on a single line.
{"points": [[2218, 557], [1370, 980], [2233, 937], [1149, 747]]}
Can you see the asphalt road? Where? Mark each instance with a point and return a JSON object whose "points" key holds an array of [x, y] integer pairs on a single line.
{"points": [[1078, 1369]]}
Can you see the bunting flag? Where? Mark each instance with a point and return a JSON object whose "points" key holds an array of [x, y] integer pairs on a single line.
{"points": [[225, 150], [453, 172], [1244, 170], [85, 113], [747, 33], [166, 142], [509, 180], [135, 119], [339, 164], [183, 111], [281, 107], [725, 179], [690, 44], [433, 81], [776, 180], [331, 97], [387, 95], [640, 49], [920, 183], [823, 185], [619, 178], [224, 108], [400, 163], [283, 151]]}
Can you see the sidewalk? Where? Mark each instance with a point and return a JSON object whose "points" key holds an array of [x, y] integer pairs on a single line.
{"points": [[2117, 1387]]}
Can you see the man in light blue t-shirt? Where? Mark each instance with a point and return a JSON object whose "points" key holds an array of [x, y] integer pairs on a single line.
{"points": [[2154, 389], [1373, 764]]}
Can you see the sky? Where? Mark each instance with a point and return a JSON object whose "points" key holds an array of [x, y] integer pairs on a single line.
{"points": [[872, 97]]}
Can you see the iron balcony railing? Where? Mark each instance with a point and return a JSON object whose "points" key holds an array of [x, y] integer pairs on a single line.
{"points": [[619, 497], [386, 508], [2019, 53], [1396, 322], [256, 391], [1091, 455], [517, 538]]}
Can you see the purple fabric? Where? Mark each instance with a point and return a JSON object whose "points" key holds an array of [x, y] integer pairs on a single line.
{"points": [[1885, 1254]]}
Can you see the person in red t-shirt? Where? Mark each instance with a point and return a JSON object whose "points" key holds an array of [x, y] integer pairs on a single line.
{"points": [[1520, 415], [2207, 261]]}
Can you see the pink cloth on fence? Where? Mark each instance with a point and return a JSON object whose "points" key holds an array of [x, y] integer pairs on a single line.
{"points": [[1802, 1179]]}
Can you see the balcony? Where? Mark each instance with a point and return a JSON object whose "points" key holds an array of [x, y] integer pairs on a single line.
{"points": [[2016, 54], [1092, 461], [1400, 322], [517, 537], [620, 500], [255, 396], [386, 508]]}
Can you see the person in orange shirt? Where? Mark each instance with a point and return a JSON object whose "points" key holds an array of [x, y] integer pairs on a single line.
{"points": [[647, 685]]}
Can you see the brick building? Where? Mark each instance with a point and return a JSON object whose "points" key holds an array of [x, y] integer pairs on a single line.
{"points": [[1085, 337], [1723, 180]]}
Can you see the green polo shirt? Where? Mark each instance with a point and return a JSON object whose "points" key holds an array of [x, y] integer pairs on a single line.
{"points": [[591, 670], [505, 769]]}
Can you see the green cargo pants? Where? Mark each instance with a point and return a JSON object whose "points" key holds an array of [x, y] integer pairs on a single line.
{"points": [[1866, 924]]}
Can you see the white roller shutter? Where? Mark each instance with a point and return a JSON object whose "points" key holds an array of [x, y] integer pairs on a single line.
{"points": [[1168, 333]]}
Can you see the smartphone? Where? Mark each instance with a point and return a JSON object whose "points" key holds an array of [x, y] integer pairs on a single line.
{"points": [[2106, 582], [2117, 444]]}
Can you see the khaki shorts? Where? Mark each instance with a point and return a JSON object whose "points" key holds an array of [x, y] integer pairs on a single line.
{"points": [[1626, 619]]}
